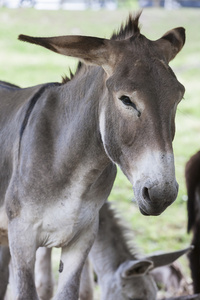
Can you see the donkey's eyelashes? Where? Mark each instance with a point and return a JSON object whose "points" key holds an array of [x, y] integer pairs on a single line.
{"points": [[127, 101]]}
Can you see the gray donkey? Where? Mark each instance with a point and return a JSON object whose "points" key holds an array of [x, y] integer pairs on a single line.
{"points": [[123, 273], [60, 144]]}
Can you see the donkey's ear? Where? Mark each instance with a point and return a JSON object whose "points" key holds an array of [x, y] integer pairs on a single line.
{"points": [[171, 43], [164, 259], [91, 50], [134, 268]]}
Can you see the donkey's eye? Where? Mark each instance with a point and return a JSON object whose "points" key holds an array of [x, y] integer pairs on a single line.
{"points": [[127, 101]]}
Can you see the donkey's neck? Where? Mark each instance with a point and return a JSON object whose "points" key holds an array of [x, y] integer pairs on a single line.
{"points": [[111, 247], [82, 97], [76, 118], [75, 145]]}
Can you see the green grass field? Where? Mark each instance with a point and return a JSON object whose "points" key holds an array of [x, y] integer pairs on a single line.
{"points": [[26, 64]]}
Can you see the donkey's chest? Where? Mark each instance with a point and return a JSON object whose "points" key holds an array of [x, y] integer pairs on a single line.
{"points": [[56, 222], [60, 217], [58, 213], [64, 219]]}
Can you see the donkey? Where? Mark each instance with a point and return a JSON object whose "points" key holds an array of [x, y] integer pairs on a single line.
{"points": [[122, 272], [60, 144], [192, 176]]}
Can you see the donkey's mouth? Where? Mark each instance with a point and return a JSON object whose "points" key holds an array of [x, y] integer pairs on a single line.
{"points": [[144, 213]]}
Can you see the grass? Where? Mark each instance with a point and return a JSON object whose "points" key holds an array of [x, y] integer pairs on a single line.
{"points": [[26, 64]]}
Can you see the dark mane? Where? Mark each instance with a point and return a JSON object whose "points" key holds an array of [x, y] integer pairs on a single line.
{"points": [[123, 231], [66, 79], [129, 29]]}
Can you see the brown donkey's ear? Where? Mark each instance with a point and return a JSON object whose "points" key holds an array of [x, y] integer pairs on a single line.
{"points": [[91, 50], [171, 42]]}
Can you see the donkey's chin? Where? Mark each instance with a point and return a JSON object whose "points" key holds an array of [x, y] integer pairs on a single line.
{"points": [[143, 212], [150, 212], [150, 207]]}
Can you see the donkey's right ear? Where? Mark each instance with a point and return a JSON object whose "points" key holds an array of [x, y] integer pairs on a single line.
{"points": [[91, 50], [171, 43], [165, 259]]}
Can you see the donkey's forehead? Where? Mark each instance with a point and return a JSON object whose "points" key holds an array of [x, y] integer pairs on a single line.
{"points": [[138, 54], [139, 46], [133, 72], [146, 81]]}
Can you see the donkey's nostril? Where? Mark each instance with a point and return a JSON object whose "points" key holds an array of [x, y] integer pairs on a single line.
{"points": [[145, 194]]}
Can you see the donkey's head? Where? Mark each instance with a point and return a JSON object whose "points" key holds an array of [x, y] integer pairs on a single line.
{"points": [[136, 279], [137, 106]]}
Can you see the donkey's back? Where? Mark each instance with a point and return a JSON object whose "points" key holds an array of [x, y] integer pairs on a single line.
{"points": [[15, 107], [14, 103]]}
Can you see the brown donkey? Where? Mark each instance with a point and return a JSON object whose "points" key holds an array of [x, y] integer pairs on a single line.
{"points": [[192, 176], [60, 144]]}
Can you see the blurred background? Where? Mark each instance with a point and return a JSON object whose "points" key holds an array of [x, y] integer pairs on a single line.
{"points": [[98, 4], [27, 65]]}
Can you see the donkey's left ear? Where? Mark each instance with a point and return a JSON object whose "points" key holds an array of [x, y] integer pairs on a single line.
{"points": [[91, 50], [134, 268], [171, 43]]}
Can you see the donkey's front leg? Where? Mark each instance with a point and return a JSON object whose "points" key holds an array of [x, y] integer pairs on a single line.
{"points": [[43, 273], [72, 260], [22, 242]]}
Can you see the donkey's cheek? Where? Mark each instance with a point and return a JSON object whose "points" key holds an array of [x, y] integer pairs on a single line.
{"points": [[111, 140], [120, 147], [112, 149]]}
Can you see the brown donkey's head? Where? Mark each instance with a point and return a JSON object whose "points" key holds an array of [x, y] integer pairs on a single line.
{"points": [[137, 106]]}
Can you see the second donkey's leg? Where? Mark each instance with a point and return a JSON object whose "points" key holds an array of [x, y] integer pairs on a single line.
{"points": [[87, 282]]}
